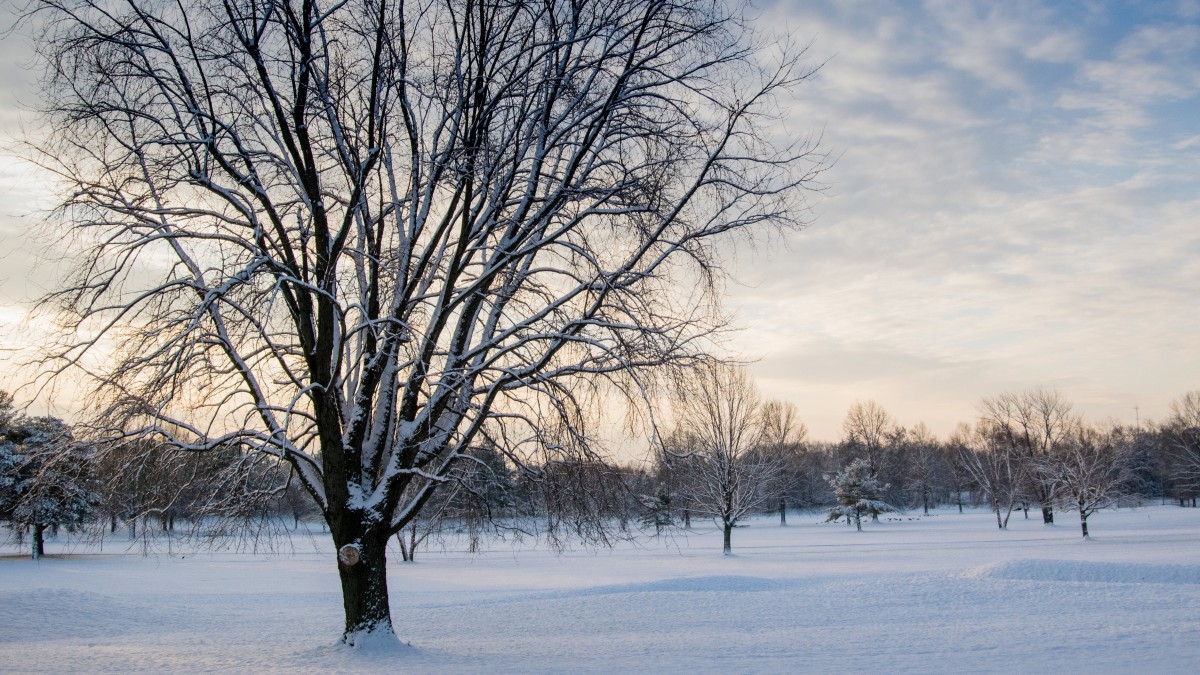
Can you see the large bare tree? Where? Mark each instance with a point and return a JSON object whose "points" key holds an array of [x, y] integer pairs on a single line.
{"points": [[351, 235]]}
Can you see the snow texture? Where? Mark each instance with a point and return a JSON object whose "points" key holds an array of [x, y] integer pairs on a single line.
{"points": [[940, 593]]}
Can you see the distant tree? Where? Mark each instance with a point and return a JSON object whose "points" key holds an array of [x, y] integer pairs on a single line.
{"points": [[657, 511], [868, 432], [218, 492], [723, 474], [480, 492], [959, 475], [661, 499], [8, 412], [997, 467], [927, 470], [1033, 425], [1089, 471], [859, 492], [46, 478], [1180, 439], [814, 461], [781, 436]]}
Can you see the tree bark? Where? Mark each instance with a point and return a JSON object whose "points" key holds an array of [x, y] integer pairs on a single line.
{"points": [[782, 511], [364, 588], [728, 538], [39, 541], [1047, 515]]}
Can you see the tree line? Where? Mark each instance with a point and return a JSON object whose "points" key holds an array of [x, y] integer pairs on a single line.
{"points": [[727, 456], [730, 456]]}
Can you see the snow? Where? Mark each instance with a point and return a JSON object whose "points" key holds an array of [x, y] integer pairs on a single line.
{"points": [[940, 593]]}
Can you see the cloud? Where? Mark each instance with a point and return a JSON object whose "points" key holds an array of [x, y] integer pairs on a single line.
{"points": [[972, 242]]}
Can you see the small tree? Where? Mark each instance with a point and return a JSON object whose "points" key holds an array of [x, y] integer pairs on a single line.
{"points": [[858, 493], [46, 478], [656, 510]]}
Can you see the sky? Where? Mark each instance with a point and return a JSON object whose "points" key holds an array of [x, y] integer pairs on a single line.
{"points": [[1015, 203]]}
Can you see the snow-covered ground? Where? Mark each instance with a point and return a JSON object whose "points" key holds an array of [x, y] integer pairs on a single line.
{"points": [[941, 593]]}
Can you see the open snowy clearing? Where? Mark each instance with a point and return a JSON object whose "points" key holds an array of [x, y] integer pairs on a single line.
{"points": [[942, 593]]}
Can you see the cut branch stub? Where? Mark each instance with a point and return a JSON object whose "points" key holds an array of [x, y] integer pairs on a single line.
{"points": [[349, 555]]}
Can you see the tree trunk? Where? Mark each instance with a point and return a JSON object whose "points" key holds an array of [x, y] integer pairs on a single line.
{"points": [[1083, 523], [782, 511], [728, 538], [362, 566], [408, 547], [39, 541], [1047, 514]]}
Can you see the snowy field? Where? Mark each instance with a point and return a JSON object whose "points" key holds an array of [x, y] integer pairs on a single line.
{"points": [[941, 593]]}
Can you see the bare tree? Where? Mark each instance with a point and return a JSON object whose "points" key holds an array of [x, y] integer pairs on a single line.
{"points": [[1181, 436], [1090, 470], [344, 235], [927, 469], [781, 435], [868, 431], [1035, 424], [725, 476], [996, 467]]}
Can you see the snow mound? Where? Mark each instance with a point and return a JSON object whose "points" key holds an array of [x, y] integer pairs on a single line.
{"points": [[1085, 571]]}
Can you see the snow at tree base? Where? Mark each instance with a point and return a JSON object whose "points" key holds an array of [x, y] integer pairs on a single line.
{"points": [[911, 593]]}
